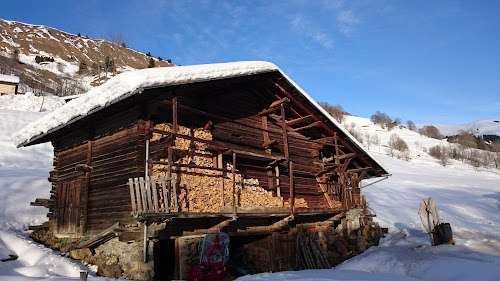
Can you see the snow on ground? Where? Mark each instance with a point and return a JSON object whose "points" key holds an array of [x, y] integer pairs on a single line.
{"points": [[28, 102], [468, 198], [23, 178]]}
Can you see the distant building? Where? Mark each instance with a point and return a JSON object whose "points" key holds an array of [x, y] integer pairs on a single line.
{"points": [[8, 84]]}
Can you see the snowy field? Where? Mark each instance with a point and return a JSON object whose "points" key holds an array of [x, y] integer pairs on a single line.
{"points": [[468, 198]]}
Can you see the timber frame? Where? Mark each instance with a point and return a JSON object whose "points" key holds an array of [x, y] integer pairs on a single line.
{"points": [[190, 158]]}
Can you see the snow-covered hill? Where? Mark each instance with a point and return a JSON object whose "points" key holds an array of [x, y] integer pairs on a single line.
{"points": [[22, 43], [479, 128], [469, 198]]}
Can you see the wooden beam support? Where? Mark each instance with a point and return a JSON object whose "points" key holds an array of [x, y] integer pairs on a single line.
{"points": [[324, 189], [292, 195], [344, 166], [345, 156], [299, 120], [304, 108], [234, 183], [267, 111], [285, 134], [279, 102], [363, 170], [313, 125]]}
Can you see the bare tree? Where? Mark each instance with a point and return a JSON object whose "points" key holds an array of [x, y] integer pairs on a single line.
{"points": [[336, 111], [411, 126], [431, 132], [398, 147]]}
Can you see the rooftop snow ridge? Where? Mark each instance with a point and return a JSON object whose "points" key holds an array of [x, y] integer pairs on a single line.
{"points": [[9, 78], [127, 84]]}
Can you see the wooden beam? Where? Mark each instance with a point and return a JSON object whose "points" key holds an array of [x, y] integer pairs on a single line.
{"points": [[285, 134], [364, 170], [279, 102], [313, 125], [344, 166], [324, 189], [292, 197], [345, 156], [267, 111], [175, 125], [299, 120], [266, 145], [234, 183]]}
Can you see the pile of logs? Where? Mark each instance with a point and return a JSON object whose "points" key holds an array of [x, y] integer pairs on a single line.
{"points": [[199, 190], [309, 253]]}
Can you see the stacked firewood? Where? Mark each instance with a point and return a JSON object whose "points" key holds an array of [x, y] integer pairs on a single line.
{"points": [[309, 252], [198, 189]]}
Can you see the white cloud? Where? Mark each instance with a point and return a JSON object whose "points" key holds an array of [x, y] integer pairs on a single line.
{"points": [[346, 20], [309, 30]]}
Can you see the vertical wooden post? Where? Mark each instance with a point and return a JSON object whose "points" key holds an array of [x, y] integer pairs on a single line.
{"points": [[292, 196], [234, 183], [278, 187], [285, 134], [85, 198], [175, 128], [265, 134], [337, 159], [175, 125], [220, 166]]}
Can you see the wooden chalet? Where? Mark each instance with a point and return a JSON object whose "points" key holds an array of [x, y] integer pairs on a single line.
{"points": [[8, 84], [234, 147]]}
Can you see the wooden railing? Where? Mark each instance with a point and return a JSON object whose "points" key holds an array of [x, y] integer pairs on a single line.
{"points": [[152, 195]]}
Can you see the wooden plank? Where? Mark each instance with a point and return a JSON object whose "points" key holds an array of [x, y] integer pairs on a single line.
{"points": [[279, 102], [166, 198], [285, 134], [299, 120], [149, 195], [143, 195], [278, 186], [223, 175], [313, 125], [292, 197], [155, 193], [175, 125], [132, 195], [174, 185], [324, 189], [99, 238], [234, 182]]}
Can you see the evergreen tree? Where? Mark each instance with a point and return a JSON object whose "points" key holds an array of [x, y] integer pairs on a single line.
{"points": [[151, 63]]}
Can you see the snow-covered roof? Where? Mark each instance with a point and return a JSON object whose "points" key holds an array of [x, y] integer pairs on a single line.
{"points": [[130, 83], [9, 78]]}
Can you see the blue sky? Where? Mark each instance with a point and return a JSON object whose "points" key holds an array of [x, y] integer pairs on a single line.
{"points": [[427, 61]]}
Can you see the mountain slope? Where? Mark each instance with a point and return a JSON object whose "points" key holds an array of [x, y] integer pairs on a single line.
{"points": [[21, 43]]}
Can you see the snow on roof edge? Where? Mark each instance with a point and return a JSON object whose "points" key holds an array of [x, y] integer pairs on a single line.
{"points": [[128, 83], [9, 78]]}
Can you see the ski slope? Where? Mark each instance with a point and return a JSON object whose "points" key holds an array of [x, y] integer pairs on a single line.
{"points": [[468, 198]]}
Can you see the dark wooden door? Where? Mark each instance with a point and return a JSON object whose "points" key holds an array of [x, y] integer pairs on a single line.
{"points": [[282, 251], [70, 207]]}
